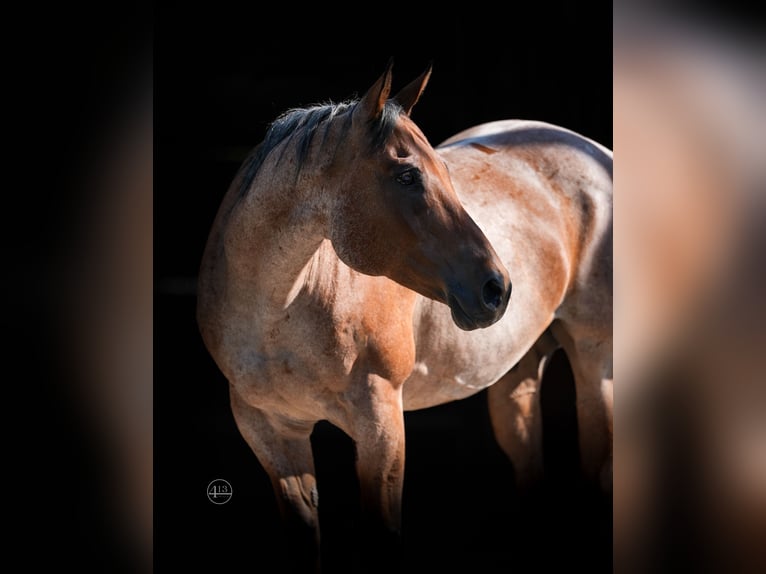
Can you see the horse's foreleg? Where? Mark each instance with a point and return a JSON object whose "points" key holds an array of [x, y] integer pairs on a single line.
{"points": [[516, 416], [283, 447], [591, 361], [378, 431]]}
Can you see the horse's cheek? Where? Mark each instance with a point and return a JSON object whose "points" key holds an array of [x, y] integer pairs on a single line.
{"points": [[359, 246], [347, 249]]}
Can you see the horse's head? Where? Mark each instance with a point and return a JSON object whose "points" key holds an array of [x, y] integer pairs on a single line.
{"points": [[397, 213]]}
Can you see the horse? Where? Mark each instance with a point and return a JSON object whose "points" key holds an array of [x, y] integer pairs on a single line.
{"points": [[354, 272]]}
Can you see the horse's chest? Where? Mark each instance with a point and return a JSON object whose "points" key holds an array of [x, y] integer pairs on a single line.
{"points": [[291, 358]]}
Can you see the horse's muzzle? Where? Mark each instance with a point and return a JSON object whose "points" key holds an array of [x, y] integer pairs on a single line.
{"points": [[481, 307]]}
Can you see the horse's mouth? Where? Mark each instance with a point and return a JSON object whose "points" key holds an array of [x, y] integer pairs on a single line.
{"points": [[467, 321]]}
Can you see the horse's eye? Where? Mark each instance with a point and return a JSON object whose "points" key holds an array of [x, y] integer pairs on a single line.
{"points": [[407, 177]]}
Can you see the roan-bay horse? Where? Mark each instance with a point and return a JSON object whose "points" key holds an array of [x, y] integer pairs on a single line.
{"points": [[354, 272]]}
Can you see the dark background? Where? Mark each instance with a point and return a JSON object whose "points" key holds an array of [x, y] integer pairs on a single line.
{"points": [[221, 73]]}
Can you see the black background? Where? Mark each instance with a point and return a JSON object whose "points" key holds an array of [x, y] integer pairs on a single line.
{"points": [[222, 72]]}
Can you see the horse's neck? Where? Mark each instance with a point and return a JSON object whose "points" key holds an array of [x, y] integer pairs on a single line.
{"points": [[271, 240]]}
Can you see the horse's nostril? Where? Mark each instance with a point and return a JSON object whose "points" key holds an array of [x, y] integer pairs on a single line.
{"points": [[492, 293]]}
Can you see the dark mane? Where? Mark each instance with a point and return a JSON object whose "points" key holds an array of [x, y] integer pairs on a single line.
{"points": [[304, 123]]}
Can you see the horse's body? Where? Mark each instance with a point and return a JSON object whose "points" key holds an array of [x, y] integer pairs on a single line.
{"points": [[317, 307]]}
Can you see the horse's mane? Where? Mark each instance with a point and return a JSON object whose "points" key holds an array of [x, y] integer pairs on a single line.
{"points": [[303, 124]]}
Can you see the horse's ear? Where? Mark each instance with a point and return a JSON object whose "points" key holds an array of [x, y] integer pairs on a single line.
{"points": [[371, 104], [410, 94]]}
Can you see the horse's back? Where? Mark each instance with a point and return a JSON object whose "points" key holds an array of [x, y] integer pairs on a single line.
{"points": [[519, 132]]}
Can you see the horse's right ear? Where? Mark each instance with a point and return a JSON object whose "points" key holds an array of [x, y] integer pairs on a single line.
{"points": [[371, 105]]}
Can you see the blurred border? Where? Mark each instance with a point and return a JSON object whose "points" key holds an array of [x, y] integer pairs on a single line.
{"points": [[690, 279]]}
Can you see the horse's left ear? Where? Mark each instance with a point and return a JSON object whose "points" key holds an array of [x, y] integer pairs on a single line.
{"points": [[409, 95], [371, 104]]}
